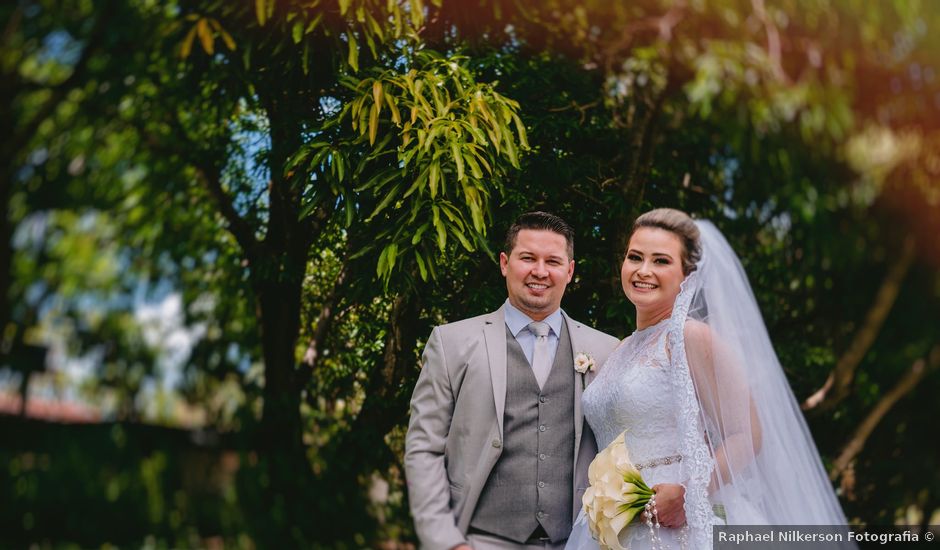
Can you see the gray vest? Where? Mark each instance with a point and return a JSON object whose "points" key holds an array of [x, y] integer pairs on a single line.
{"points": [[530, 485]]}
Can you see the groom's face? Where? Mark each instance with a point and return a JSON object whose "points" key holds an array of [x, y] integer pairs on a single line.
{"points": [[537, 270]]}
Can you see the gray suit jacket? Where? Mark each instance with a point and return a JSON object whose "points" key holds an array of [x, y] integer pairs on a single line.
{"points": [[456, 428]]}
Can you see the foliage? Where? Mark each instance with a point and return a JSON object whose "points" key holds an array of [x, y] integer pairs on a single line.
{"points": [[321, 182]]}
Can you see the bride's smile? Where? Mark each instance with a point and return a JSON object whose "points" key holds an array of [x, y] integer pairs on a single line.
{"points": [[652, 273]]}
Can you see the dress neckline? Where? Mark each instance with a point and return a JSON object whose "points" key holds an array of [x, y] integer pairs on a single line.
{"points": [[645, 330]]}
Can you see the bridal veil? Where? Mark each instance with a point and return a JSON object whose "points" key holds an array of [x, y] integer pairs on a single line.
{"points": [[747, 454]]}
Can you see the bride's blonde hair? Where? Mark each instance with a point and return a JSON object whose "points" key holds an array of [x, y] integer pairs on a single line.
{"points": [[682, 225]]}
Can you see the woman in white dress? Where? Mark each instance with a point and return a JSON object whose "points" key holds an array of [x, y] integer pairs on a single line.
{"points": [[708, 415]]}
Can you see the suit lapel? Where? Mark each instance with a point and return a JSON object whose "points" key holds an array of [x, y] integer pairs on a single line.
{"points": [[494, 332], [574, 334]]}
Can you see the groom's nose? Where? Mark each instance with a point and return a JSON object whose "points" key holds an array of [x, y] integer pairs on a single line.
{"points": [[539, 269]]}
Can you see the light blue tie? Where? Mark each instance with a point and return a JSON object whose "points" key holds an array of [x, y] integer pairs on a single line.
{"points": [[541, 362]]}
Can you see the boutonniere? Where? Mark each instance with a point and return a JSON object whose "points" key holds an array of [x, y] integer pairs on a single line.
{"points": [[584, 362]]}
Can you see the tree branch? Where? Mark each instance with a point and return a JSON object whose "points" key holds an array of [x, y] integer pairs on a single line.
{"points": [[856, 443], [773, 41], [840, 379], [324, 320], [210, 178], [238, 226]]}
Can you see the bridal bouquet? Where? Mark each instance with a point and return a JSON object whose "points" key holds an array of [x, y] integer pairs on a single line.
{"points": [[616, 495]]}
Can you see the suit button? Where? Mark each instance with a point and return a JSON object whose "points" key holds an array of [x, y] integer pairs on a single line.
{"points": [[497, 443], [542, 399], [542, 456], [542, 428], [541, 484]]}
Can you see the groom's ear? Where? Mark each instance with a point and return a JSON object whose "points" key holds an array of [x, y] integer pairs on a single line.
{"points": [[503, 263], [570, 270]]}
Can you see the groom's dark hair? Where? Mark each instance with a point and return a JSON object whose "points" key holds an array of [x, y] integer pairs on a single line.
{"points": [[540, 221]]}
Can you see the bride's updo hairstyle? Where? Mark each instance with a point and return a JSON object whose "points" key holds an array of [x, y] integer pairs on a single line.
{"points": [[682, 225]]}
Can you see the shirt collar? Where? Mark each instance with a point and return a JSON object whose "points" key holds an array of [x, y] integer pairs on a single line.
{"points": [[518, 321]]}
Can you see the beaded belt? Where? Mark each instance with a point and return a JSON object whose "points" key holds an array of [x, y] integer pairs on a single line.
{"points": [[659, 462]]}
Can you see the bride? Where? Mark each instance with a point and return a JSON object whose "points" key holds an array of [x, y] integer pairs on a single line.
{"points": [[709, 418]]}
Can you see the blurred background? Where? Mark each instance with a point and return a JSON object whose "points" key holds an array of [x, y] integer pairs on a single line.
{"points": [[229, 226]]}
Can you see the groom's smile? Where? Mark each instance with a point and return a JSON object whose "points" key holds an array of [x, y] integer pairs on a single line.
{"points": [[537, 270]]}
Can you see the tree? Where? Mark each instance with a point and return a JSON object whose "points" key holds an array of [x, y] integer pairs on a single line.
{"points": [[323, 182]]}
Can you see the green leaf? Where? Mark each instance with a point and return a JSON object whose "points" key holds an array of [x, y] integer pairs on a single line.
{"points": [[377, 93], [380, 267], [353, 51], [389, 198], [458, 158], [313, 23], [441, 236], [205, 36], [350, 210], [463, 240], [379, 181], [433, 177], [226, 37], [418, 183], [297, 31], [421, 267], [373, 123], [520, 131], [392, 255], [417, 13], [261, 11], [340, 166], [187, 45], [477, 216], [344, 6], [474, 166], [393, 107], [417, 236]]}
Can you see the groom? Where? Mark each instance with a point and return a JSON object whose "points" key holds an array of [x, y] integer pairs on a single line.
{"points": [[497, 450]]}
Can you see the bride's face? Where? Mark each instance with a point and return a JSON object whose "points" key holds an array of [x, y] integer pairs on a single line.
{"points": [[652, 271]]}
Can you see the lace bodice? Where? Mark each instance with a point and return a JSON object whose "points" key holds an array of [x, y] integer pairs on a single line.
{"points": [[633, 393]]}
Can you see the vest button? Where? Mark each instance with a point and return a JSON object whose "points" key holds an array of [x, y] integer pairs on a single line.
{"points": [[540, 514], [542, 456], [542, 399], [541, 484], [497, 443], [542, 428]]}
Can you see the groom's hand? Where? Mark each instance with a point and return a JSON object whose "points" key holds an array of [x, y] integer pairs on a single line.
{"points": [[670, 504]]}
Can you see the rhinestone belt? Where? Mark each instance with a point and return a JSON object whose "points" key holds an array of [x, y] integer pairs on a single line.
{"points": [[659, 462]]}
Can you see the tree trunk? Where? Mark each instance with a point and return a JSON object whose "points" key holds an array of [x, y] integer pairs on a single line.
{"points": [[280, 438]]}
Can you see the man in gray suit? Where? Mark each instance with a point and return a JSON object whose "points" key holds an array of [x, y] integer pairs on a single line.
{"points": [[497, 451]]}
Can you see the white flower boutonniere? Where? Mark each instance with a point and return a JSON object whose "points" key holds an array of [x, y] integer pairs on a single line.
{"points": [[583, 362]]}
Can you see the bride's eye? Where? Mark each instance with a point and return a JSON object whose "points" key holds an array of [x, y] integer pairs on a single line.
{"points": [[633, 257], [662, 261]]}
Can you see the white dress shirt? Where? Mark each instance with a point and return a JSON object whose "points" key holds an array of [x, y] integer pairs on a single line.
{"points": [[518, 324]]}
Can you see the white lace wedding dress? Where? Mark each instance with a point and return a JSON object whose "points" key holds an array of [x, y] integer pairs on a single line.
{"points": [[633, 393], [770, 470]]}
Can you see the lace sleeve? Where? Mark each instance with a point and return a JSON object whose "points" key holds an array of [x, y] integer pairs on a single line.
{"points": [[697, 462]]}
